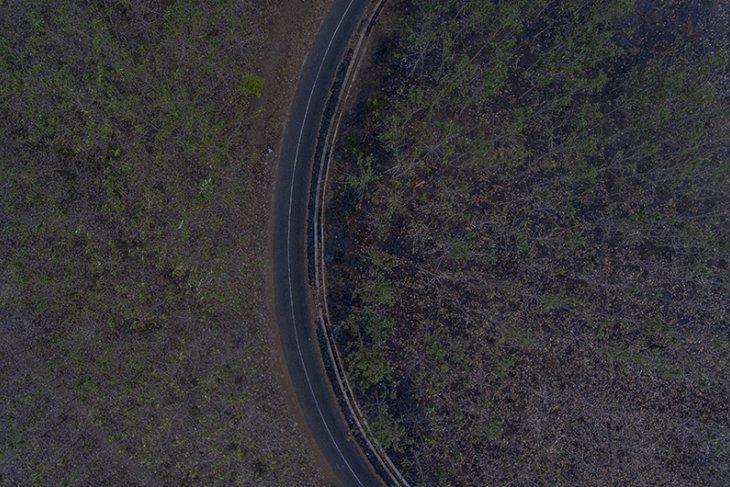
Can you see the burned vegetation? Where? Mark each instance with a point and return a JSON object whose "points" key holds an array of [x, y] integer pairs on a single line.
{"points": [[529, 243]]}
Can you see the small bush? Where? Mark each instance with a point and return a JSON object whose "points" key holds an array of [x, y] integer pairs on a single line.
{"points": [[252, 84]]}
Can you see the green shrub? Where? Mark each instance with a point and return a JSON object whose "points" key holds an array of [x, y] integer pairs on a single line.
{"points": [[251, 84]]}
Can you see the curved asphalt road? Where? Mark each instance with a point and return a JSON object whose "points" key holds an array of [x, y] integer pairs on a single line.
{"points": [[299, 339]]}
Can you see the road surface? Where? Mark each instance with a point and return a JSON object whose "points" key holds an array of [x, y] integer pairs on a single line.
{"points": [[291, 290]]}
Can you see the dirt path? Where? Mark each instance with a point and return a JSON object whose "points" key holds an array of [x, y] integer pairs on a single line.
{"points": [[291, 36]]}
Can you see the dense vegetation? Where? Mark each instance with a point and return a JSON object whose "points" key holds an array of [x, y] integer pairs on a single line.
{"points": [[133, 347], [530, 243]]}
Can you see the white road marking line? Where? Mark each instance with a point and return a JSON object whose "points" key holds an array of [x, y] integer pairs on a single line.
{"points": [[288, 245]]}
